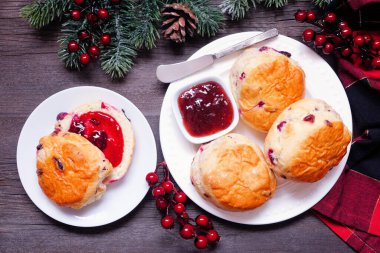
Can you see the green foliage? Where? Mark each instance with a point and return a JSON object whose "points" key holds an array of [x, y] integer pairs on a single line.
{"points": [[210, 19], [42, 12], [143, 23], [117, 58], [237, 9], [322, 3], [275, 3]]}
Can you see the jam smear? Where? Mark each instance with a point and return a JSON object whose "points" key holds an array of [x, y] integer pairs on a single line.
{"points": [[103, 131], [205, 109]]}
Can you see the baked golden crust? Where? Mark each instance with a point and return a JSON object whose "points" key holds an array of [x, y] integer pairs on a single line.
{"points": [[306, 141], [264, 83], [71, 169], [232, 173]]}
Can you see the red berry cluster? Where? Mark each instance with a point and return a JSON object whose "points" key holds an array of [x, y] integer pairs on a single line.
{"points": [[169, 198], [335, 35], [90, 38]]}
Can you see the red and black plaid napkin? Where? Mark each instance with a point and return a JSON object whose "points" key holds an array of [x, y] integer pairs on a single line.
{"points": [[352, 208]]}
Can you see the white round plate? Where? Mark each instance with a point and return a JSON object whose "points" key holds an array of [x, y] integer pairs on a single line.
{"points": [[291, 198], [122, 196]]}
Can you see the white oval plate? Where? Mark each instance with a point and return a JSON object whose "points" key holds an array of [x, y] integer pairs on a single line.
{"points": [[291, 198], [122, 196]]}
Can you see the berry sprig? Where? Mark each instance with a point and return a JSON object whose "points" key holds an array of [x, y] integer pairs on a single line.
{"points": [[169, 200], [335, 34], [92, 38]]}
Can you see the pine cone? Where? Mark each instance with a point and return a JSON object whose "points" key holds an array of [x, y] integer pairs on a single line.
{"points": [[179, 21]]}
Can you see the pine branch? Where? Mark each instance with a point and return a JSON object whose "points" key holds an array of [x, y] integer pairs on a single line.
{"points": [[322, 3], [237, 9], [275, 3], [142, 23], [42, 12], [69, 30], [117, 58], [210, 19]]}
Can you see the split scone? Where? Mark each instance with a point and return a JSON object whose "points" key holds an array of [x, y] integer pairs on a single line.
{"points": [[306, 141], [231, 172], [264, 82], [106, 127], [71, 170]]}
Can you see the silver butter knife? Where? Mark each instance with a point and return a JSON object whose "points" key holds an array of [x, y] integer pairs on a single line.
{"points": [[172, 72]]}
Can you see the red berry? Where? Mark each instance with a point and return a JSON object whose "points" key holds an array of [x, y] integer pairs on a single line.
{"points": [[367, 38], [330, 17], [375, 45], [346, 32], [311, 16], [308, 35], [158, 191], [328, 48], [161, 203], [168, 186], [92, 18], [376, 62], [358, 40], [187, 231], [151, 178], [320, 40], [115, 1], [84, 58], [300, 16], [180, 197], [346, 52], [167, 222], [73, 46], [79, 2], [105, 39], [82, 35], [179, 208], [75, 14], [212, 236], [103, 13], [342, 25], [201, 220], [185, 217], [94, 51], [200, 242]]}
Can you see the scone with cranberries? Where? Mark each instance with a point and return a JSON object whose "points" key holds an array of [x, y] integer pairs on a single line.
{"points": [[306, 141], [264, 82], [107, 128], [71, 170], [231, 172]]}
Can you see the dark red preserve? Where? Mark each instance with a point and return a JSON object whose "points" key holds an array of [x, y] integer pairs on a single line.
{"points": [[205, 109]]}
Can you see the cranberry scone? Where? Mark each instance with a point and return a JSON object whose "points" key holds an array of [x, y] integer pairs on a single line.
{"points": [[306, 141], [231, 172], [264, 82]]}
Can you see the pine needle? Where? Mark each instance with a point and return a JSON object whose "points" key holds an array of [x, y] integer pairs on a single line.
{"points": [[237, 9], [42, 12], [322, 3], [210, 19]]}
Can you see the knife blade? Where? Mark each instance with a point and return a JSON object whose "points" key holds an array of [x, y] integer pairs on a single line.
{"points": [[172, 72]]}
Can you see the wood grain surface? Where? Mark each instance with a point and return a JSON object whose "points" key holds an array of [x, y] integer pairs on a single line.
{"points": [[31, 72]]}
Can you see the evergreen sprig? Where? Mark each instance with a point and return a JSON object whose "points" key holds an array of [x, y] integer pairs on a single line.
{"points": [[237, 9], [117, 58], [143, 23], [210, 19], [275, 3], [322, 3], [42, 12]]}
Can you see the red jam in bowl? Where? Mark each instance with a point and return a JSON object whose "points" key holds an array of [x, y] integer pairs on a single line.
{"points": [[205, 109], [103, 131]]}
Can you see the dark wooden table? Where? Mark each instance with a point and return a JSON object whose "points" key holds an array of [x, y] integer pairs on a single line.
{"points": [[31, 72]]}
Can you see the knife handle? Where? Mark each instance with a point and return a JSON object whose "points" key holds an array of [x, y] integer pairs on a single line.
{"points": [[248, 42]]}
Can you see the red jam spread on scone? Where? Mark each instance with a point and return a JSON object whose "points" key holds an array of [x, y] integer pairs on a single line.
{"points": [[205, 109], [103, 131]]}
